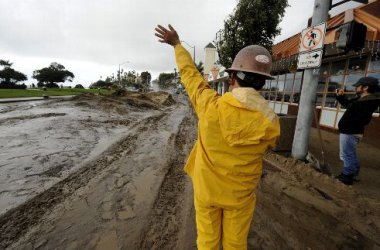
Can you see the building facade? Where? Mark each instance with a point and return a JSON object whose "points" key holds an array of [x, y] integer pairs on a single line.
{"points": [[210, 58], [338, 70]]}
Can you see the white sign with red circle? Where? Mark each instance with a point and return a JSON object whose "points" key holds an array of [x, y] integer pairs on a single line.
{"points": [[312, 38]]}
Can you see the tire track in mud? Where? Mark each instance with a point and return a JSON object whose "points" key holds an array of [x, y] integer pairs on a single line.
{"points": [[167, 215], [17, 221], [29, 117]]}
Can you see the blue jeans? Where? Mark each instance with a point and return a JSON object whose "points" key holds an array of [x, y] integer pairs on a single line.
{"points": [[348, 154]]}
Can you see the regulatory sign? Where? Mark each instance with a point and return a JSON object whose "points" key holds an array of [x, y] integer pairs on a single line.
{"points": [[310, 59], [312, 38]]}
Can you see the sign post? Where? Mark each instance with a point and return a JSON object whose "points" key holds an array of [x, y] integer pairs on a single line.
{"points": [[311, 43]]}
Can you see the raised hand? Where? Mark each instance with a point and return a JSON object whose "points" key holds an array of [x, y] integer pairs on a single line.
{"points": [[168, 36]]}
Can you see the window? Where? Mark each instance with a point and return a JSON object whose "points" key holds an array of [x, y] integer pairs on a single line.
{"points": [[356, 70], [321, 86], [319, 99], [350, 80], [273, 85], [297, 85], [288, 88], [280, 87], [374, 64], [272, 89], [330, 100], [356, 65], [374, 69], [322, 81], [324, 71], [296, 91], [267, 85], [338, 68], [334, 83], [288, 85], [344, 73]]}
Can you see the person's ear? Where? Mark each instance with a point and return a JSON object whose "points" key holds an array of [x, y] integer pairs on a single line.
{"points": [[365, 88], [233, 79]]}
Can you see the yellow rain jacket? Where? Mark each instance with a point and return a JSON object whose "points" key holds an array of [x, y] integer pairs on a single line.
{"points": [[234, 132]]}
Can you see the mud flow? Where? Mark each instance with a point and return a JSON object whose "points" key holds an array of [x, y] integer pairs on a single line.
{"points": [[98, 172]]}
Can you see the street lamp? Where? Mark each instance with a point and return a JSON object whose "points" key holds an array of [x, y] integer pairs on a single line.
{"points": [[120, 71], [191, 47]]}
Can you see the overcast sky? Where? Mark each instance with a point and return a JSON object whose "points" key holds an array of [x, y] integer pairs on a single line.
{"points": [[92, 37]]}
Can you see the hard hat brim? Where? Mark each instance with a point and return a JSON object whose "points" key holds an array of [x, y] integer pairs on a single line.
{"points": [[268, 76]]}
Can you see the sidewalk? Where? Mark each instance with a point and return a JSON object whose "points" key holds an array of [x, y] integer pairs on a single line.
{"points": [[23, 99], [369, 156]]}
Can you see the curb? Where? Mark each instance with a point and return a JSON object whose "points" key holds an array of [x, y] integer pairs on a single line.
{"points": [[25, 99]]}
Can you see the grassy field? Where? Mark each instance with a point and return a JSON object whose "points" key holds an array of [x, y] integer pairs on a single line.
{"points": [[13, 93]]}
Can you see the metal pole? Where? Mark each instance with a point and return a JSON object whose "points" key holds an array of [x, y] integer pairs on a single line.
{"points": [[194, 54], [120, 72], [119, 76], [193, 47], [308, 93]]}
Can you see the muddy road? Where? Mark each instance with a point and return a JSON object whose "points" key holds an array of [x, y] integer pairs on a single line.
{"points": [[126, 190], [100, 172]]}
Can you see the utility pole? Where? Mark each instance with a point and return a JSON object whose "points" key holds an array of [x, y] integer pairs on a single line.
{"points": [[308, 94], [120, 71], [193, 47]]}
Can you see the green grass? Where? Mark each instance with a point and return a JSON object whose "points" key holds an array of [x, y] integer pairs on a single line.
{"points": [[13, 93]]}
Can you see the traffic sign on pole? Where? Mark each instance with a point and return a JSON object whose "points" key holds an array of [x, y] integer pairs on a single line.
{"points": [[312, 38], [310, 59]]}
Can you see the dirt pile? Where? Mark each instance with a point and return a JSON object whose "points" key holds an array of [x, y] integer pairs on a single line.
{"points": [[153, 100], [300, 208], [161, 98]]}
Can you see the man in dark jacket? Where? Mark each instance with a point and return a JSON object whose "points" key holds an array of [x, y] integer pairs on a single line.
{"points": [[351, 125]]}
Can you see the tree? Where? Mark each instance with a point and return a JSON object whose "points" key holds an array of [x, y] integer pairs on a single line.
{"points": [[146, 77], [252, 22], [52, 75], [100, 84], [10, 77], [129, 78], [79, 86], [166, 79], [199, 67], [5, 63]]}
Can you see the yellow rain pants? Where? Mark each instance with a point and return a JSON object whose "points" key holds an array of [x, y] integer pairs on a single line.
{"points": [[225, 164]]}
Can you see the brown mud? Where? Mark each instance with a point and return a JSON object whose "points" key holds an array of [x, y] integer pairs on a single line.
{"points": [[300, 208], [127, 190]]}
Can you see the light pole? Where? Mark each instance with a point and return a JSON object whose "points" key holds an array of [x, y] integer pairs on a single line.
{"points": [[191, 47], [120, 72]]}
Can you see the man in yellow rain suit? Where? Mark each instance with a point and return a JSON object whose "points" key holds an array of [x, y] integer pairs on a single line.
{"points": [[234, 132]]}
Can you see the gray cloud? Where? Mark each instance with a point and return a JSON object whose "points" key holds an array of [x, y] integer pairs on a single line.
{"points": [[91, 37]]}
